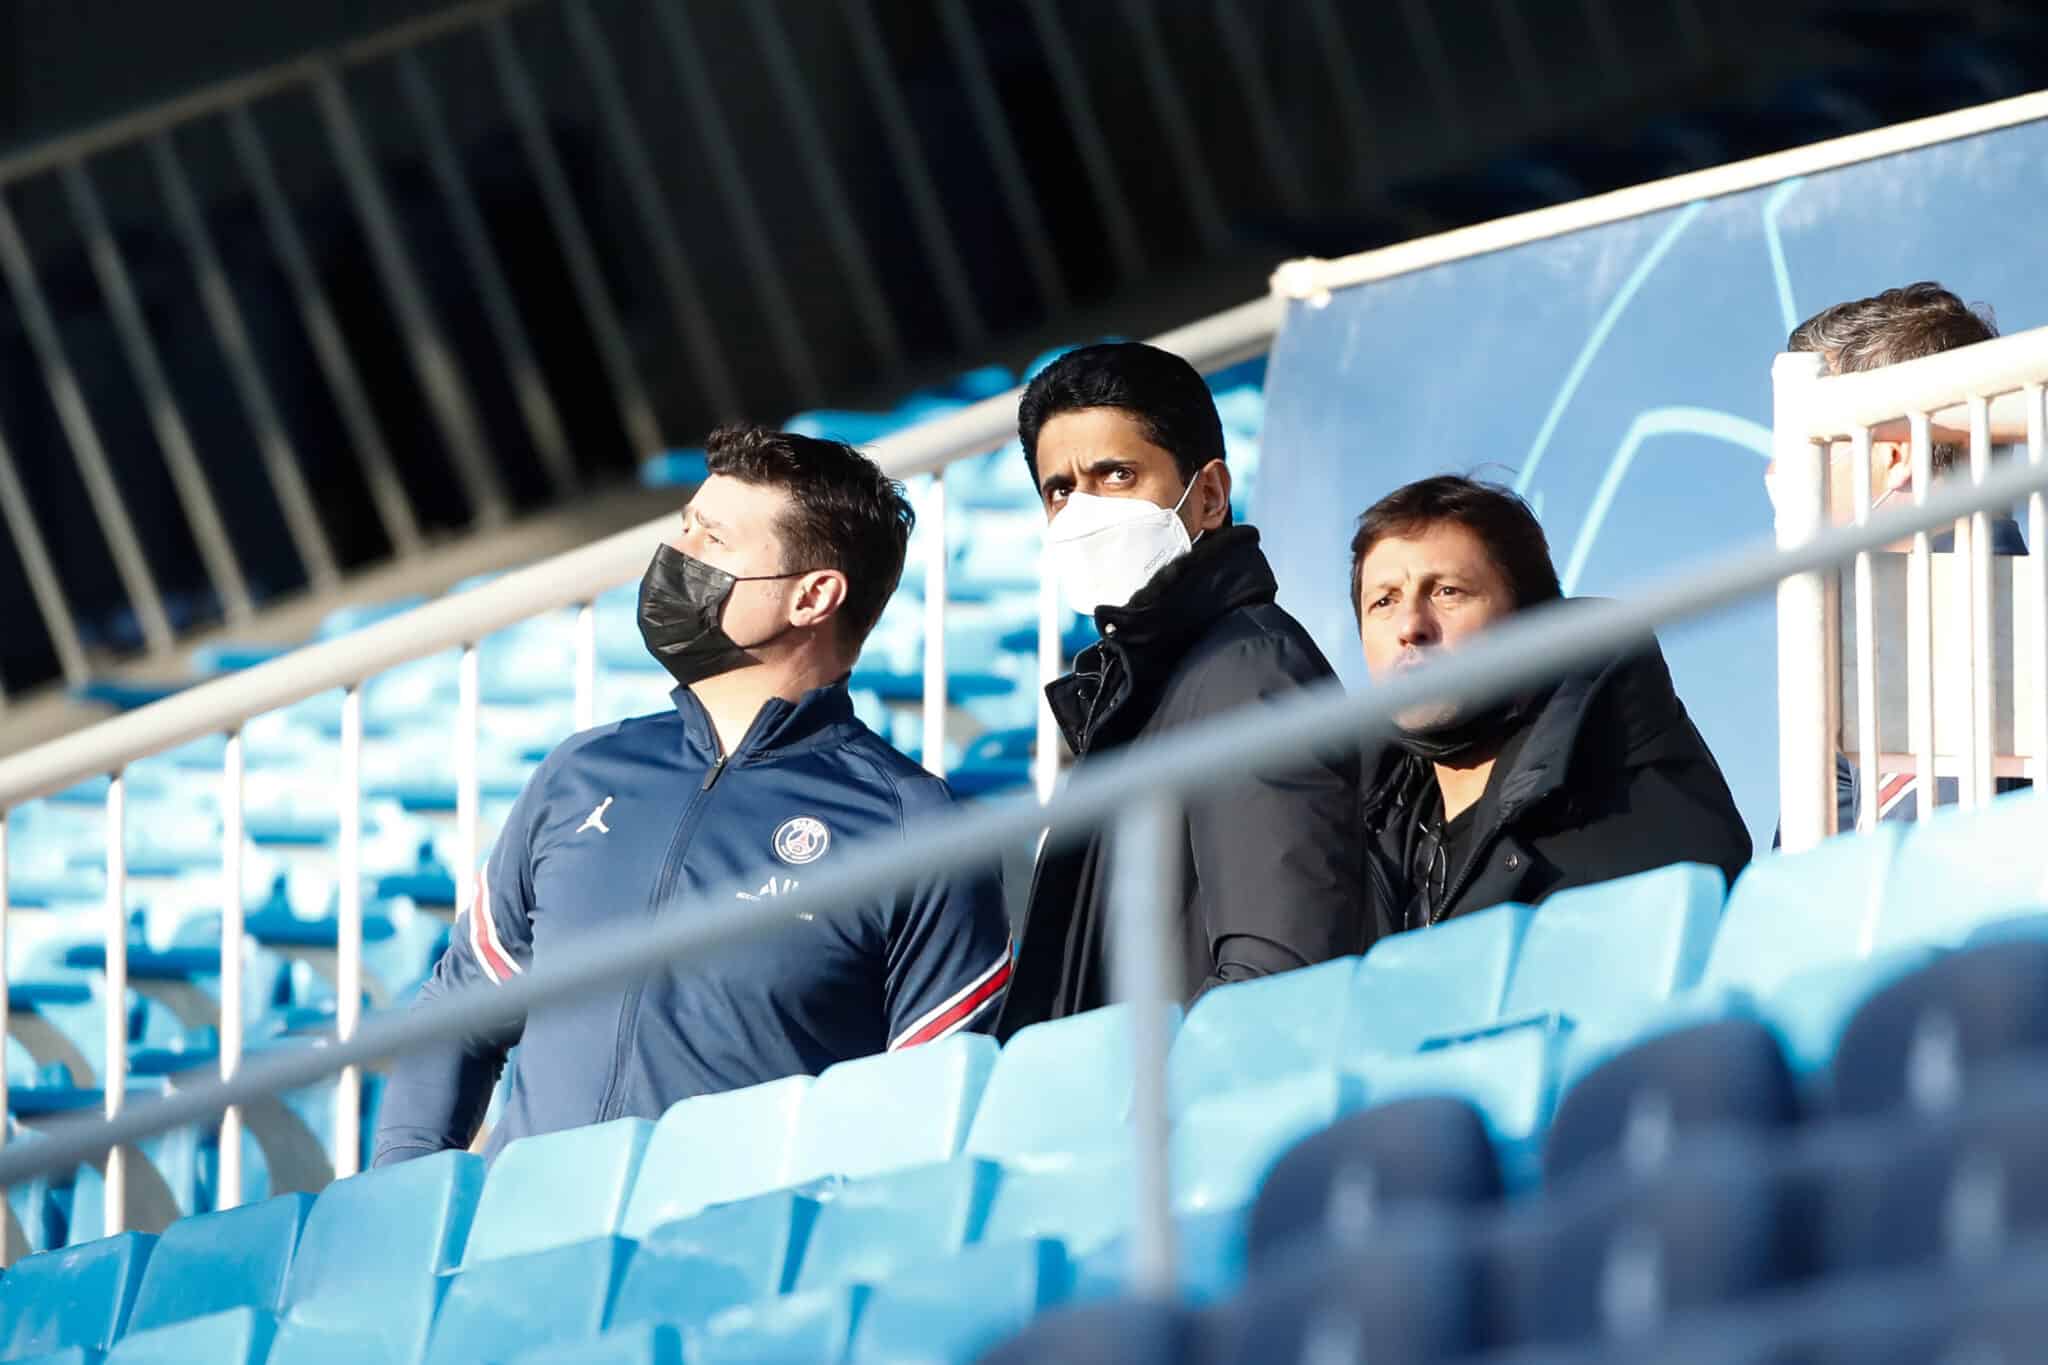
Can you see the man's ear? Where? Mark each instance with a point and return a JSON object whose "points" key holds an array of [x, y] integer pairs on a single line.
{"points": [[1211, 498], [1891, 467], [819, 596]]}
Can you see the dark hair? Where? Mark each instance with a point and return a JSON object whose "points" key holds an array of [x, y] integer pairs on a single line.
{"points": [[1163, 393], [844, 513], [1900, 324], [1497, 515]]}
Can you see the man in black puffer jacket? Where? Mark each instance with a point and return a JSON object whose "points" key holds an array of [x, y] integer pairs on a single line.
{"points": [[1595, 776], [1127, 451]]}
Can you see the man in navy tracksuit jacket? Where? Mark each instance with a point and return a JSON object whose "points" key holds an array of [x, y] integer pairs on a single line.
{"points": [[757, 781]]}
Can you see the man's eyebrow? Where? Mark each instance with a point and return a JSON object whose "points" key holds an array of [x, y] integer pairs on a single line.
{"points": [[702, 520]]}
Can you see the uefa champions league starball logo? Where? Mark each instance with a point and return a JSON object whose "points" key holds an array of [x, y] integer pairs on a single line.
{"points": [[802, 839]]}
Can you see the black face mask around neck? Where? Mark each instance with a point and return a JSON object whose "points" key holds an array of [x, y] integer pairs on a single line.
{"points": [[682, 600], [1465, 736]]}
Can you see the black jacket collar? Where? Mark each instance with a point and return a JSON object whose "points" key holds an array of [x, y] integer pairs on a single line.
{"points": [[1117, 680]]}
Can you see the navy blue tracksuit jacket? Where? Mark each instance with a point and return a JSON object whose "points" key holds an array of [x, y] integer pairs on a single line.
{"points": [[646, 817]]}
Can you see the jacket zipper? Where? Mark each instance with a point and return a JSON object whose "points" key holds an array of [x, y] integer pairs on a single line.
{"points": [[664, 884]]}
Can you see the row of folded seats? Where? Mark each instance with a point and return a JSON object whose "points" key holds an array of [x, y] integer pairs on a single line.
{"points": [[1518, 1129]]}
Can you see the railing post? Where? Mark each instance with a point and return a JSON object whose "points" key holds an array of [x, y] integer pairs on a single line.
{"points": [[348, 938], [934, 705], [1806, 778], [1867, 762], [1145, 871], [1983, 739], [115, 1077], [2036, 567], [1920, 631], [232, 922]]}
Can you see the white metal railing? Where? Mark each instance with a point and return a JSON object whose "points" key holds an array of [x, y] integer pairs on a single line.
{"points": [[1528, 648], [1975, 658], [223, 706]]}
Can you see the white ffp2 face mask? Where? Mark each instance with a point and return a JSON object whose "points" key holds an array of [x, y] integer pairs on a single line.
{"points": [[1105, 549]]}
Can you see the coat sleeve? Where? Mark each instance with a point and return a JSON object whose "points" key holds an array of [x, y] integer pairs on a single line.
{"points": [[436, 1096], [1278, 858], [949, 953]]}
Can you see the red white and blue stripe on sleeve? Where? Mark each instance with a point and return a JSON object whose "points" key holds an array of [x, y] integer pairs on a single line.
{"points": [[478, 929], [972, 1003]]}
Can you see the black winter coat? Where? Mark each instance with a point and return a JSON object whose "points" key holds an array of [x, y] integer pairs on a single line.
{"points": [[1272, 872], [1609, 777]]}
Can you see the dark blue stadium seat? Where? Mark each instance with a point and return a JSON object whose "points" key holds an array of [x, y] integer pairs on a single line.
{"points": [[646, 1344], [1412, 1296], [1339, 1184], [1428, 983], [1962, 868], [1615, 946], [1116, 1332], [1729, 1072], [796, 1329], [1508, 1074], [216, 1261], [499, 1308], [721, 1257], [239, 1336], [871, 1228], [892, 1110], [1916, 1041], [556, 1188], [79, 1296], [1810, 1010], [1224, 1145], [1621, 1249], [1259, 1030], [949, 1312], [1084, 1202], [716, 1148], [1062, 1086]]}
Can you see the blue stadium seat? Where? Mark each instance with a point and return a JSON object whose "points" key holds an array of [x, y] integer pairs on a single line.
{"points": [[646, 1344], [871, 1228], [237, 1258], [556, 1188], [1117, 1332], [1915, 1042], [1414, 1296], [1960, 869], [1509, 1075], [796, 1329], [893, 1110], [502, 1307], [1061, 1086], [239, 1336], [1224, 1145], [1596, 950], [80, 1296], [1726, 1073], [1340, 1184], [731, 1254], [1810, 1010], [1791, 912], [1209, 1259], [949, 1312], [716, 1148], [1259, 1030], [1084, 1202], [1428, 983]]}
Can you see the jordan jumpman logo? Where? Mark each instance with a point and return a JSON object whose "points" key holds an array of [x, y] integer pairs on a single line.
{"points": [[595, 820]]}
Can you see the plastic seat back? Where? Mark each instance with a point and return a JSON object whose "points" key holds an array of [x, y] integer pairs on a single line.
{"points": [[689, 1270], [892, 1110], [1427, 983], [79, 1296], [1224, 1145], [1085, 1202], [871, 1228], [1252, 1032], [239, 1336], [217, 1261], [1059, 1087], [1961, 869], [645, 1344], [715, 1148], [556, 1188], [421, 1210], [501, 1307], [955, 1309], [1593, 949], [1791, 912]]}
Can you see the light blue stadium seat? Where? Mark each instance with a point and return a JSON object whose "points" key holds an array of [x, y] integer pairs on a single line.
{"points": [[1209, 1259], [556, 1188], [1428, 983], [646, 1344], [1059, 1087], [1085, 1203], [499, 1308], [1791, 912], [80, 1296], [716, 1148], [796, 1329], [1593, 951], [237, 1258], [1224, 1145], [1259, 1030], [1509, 1076], [949, 1312], [239, 1336], [871, 1228], [1809, 1011], [896, 1109], [695, 1268], [1961, 869]]}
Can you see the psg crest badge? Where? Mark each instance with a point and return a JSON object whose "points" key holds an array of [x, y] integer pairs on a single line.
{"points": [[802, 839]]}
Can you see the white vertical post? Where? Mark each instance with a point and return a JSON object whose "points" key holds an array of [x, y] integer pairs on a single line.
{"points": [[2036, 567], [934, 518], [1145, 871], [1920, 629], [468, 703], [229, 1192], [586, 665], [348, 940], [1806, 776], [1982, 745], [115, 1078], [1051, 613], [1868, 779]]}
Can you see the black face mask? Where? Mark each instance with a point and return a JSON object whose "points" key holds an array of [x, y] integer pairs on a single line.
{"points": [[1465, 735], [682, 600]]}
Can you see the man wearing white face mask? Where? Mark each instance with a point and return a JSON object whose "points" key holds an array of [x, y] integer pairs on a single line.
{"points": [[1127, 451], [1866, 334]]}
